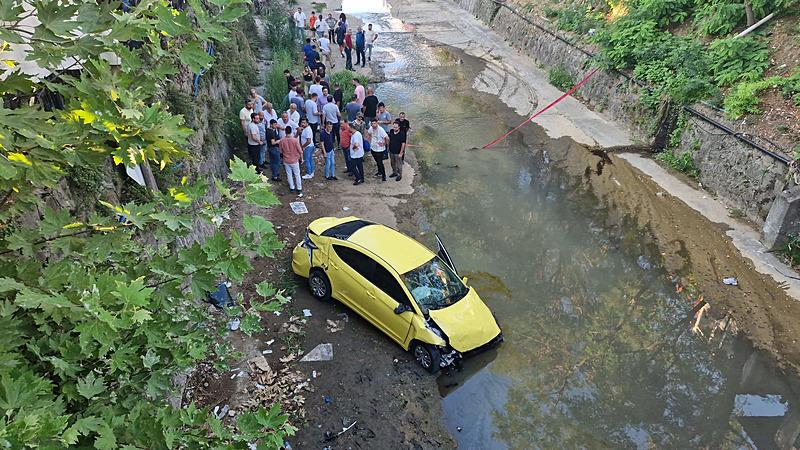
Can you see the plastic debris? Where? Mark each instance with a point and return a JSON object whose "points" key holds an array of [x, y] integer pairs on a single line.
{"points": [[345, 208], [322, 352], [233, 325], [266, 352], [327, 399], [221, 413], [644, 263], [306, 313], [334, 325], [314, 374], [459, 429], [287, 445], [221, 297], [269, 342], [298, 207], [730, 281], [330, 436]]}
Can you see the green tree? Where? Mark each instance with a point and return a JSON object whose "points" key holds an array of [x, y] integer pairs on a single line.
{"points": [[98, 311]]}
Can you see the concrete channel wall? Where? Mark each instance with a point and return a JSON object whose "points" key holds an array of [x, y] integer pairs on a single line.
{"points": [[743, 177]]}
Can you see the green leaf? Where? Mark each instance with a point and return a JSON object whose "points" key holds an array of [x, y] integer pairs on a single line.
{"points": [[7, 284], [134, 293], [257, 224], [250, 324], [260, 195], [240, 171], [150, 359], [195, 56], [90, 386], [265, 289], [30, 299], [141, 316]]}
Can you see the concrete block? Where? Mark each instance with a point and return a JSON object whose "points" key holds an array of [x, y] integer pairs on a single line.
{"points": [[783, 219]]}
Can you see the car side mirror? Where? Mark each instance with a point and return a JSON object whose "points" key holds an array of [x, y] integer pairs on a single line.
{"points": [[464, 280], [401, 308]]}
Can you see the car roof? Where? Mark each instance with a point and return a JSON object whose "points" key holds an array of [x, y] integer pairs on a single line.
{"points": [[398, 250]]}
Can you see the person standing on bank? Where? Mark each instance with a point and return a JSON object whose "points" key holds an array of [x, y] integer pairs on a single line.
{"points": [[273, 150], [326, 138], [262, 134], [348, 50], [344, 144], [330, 112], [254, 139], [292, 158], [370, 105], [358, 90], [378, 140], [313, 115], [356, 155], [384, 118], [307, 144], [370, 36], [245, 116], [397, 150], [360, 42], [331, 22], [300, 21]]}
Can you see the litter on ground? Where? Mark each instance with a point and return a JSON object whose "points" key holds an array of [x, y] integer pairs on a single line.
{"points": [[298, 207], [730, 281], [322, 352], [306, 313]]}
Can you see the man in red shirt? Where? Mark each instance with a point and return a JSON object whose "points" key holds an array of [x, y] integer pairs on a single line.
{"points": [[292, 158], [344, 144], [348, 50]]}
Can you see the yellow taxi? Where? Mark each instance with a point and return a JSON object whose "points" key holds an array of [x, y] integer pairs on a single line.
{"points": [[410, 293]]}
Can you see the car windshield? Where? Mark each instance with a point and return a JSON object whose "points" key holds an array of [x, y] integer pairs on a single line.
{"points": [[433, 285]]}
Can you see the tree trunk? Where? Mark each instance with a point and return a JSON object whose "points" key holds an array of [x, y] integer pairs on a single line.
{"points": [[748, 9]]}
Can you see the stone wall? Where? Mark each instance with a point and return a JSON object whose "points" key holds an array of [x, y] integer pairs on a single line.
{"points": [[740, 175]]}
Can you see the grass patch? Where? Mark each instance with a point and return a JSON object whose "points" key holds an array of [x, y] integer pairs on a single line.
{"points": [[682, 162], [560, 78], [791, 251]]}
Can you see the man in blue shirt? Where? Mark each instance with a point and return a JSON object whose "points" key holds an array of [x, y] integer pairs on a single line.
{"points": [[361, 56]]}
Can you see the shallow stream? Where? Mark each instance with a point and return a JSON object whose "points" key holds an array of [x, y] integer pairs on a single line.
{"points": [[598, 349]]}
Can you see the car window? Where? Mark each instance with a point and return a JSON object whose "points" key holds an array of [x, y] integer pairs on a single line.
{"points": [[386, 282], [360, 262], [433, 285], [343, 231]]}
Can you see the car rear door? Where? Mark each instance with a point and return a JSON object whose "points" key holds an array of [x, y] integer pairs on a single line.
{"points": [[349, 271]]}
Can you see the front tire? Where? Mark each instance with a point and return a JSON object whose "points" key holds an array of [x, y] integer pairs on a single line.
{"points": [[427, 356], [319, 285]]}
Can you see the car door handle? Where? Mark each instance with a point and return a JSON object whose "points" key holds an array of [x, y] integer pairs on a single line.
{"points": [[370, 295]]}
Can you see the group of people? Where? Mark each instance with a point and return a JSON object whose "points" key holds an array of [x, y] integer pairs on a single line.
{"points": [[320, 122], [323, 32]]}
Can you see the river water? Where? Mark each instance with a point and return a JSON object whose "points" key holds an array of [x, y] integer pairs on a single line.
{"points": [[598, 349]]}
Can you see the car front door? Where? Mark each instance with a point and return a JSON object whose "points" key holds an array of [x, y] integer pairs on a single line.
{"points": [[444, 255], [385, 293]]}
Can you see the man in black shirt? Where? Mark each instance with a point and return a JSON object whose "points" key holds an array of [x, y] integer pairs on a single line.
{"points": [[405, 126], [370, 106], [338, 95], [289, 79], [397, 150], [273, 150]]}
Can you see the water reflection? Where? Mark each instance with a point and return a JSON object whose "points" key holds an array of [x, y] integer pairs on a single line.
{"points": [[598, 351]]}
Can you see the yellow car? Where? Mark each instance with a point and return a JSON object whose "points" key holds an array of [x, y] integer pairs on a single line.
{"points": [[401, 287]]}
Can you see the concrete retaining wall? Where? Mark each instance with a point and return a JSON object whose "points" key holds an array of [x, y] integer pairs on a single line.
{"points": [[740, 175]]}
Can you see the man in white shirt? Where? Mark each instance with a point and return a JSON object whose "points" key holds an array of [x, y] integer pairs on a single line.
{"points": [[321, 26], [316, 88], [269, 113], [284, 122], [300, 21], [378, 140], [356, 155], [245, 115], [307, 143], [313, 114], [331, 115], [294, 115], [370, 37], [325, 49]]}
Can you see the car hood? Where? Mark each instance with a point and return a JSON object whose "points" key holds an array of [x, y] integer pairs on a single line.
{"points": [[468, 323]]}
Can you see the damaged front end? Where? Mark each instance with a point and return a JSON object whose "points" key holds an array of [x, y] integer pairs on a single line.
{"points": [[448, 356]]}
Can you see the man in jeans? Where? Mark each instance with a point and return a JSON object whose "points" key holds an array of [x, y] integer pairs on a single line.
{"points": [[262, 134], [307, 144], [254, 140], [397, 150], [361, 57], [312, 115], [328, 147], [356, 155], [344, 144], [378, 140], [330, 112], [292, 158], [274, 151], [370, 36]]}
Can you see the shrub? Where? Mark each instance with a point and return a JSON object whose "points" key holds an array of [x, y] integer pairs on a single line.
{"points": [[560, 78], [682, 162], [276, 88], [718, 17], [575, 20], [738, 59], [345, 80], [665, 12], [629, 40], [277, 29], [743, 98], [791, 250]]}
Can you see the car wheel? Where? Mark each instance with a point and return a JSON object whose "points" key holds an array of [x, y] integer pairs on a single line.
{"points": [[427, 356], [319, 285]]}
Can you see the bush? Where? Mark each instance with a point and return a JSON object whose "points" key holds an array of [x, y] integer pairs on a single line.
{"points": [[279, 33], [791, 251], [743, 98], [665, 12], [629, 40], [718, 17], [738, 59], [275, 86], [575, 20], [345, 80], [560, 78], [682, 162]]}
